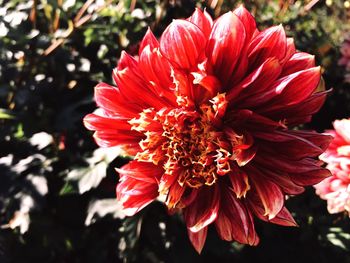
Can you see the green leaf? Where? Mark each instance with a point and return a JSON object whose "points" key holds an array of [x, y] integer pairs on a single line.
{"points": [[68, 188], [19, 133], [4, 114]]}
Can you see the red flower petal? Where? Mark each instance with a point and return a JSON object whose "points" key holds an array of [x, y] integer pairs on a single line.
{"points": [[148, 40], [130, 82], [255, 83], [310, 178], [225, 44], [240, 182], [141, 171], [293, 89], [110, 99], [96, 122], [298, 113], [174, 195], [157, 71], [271, 42], [269, 193], [183, 44], [298, 61], [202, 20], [287, 91], [293, 145], [138, 185], [247, 20], [204, 211], [283, 218], [234, 221], [198, 238]]}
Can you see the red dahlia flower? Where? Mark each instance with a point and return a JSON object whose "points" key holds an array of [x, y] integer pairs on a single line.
{"points": [[336, 189], [207, 112]]}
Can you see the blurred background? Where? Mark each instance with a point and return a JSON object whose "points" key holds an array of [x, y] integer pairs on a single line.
{"points": [[57, 190]]}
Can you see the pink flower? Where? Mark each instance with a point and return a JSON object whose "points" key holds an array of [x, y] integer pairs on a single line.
{"points": [[207, 112], [336, 189]]}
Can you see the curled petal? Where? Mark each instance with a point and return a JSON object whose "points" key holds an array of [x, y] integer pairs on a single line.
{"points": [[310, 178], [284, 218], [295, 145], [298, 113], [174, 195]]}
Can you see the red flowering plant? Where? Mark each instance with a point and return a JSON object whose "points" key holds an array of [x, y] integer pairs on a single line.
{"points": [[207, 112], [336, 189]]}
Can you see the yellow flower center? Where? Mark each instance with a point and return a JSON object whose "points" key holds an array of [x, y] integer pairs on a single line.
{"points": [[189, 144]]}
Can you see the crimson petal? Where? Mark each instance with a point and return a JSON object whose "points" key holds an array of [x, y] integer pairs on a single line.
{"points": [[226, 41], [183, 44], [203, 212], [234, 220], [202, 20], [198, 238]]}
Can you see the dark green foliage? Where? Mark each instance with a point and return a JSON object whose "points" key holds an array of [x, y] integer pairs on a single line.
{"points": [[57, 191]]}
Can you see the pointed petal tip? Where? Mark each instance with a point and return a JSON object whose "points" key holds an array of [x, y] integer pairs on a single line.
{"points": [[240, 9], [86, 122], [198, 239], [148, 40]]}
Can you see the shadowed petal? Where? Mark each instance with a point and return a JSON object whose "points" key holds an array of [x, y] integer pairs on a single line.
{"points": [[234, 221], [204, 211], [298, 61], [225, 44], [298, 113], [198, 238], [283, 218], [293, 89], [255, 83], [240, 182], [271, 42], [269, 193]]}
